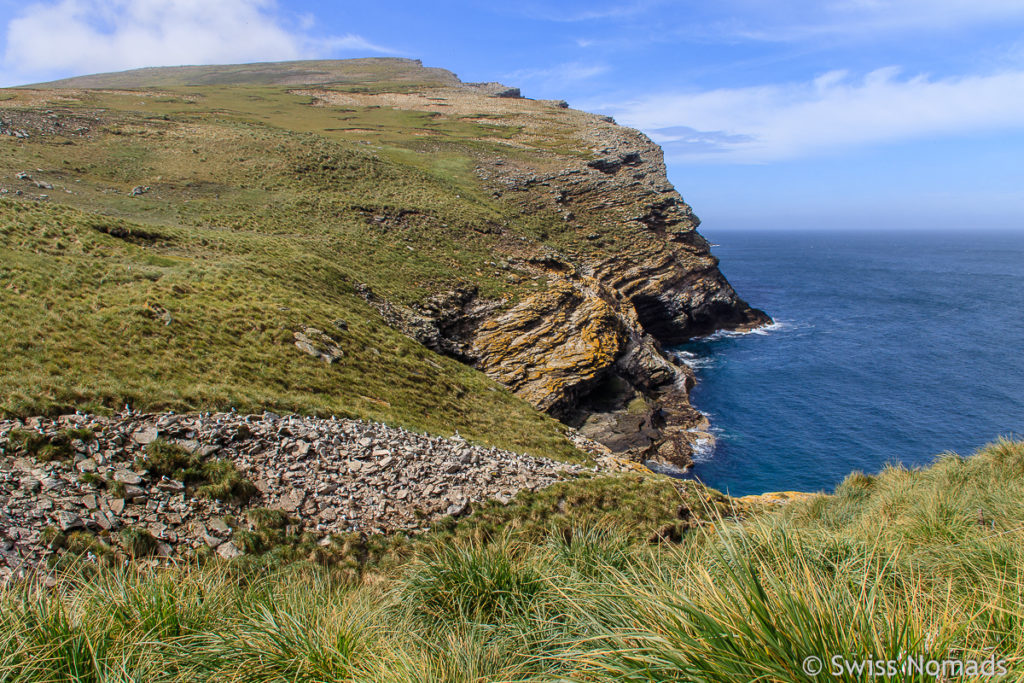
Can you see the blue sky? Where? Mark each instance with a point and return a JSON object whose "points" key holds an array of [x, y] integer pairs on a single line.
{"points": [[798, 114]]}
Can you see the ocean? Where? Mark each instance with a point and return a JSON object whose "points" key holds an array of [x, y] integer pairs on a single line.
{"points": [[888, 347]]}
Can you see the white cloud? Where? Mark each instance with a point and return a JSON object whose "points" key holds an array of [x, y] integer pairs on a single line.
{"points": [[64, 37], [772, 122]]}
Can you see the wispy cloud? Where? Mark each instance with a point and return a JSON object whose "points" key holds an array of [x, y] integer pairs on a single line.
{"points": [[812, 19], [781, 121], [64, 37], [595, 11], [683, 139], [554, 76]]}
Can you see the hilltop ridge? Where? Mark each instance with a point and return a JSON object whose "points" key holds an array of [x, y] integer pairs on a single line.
{"points": [[298, 72], [376, 71]]}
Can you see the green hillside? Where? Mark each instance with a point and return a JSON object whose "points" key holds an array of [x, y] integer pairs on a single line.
{"points": [[257, 215]]}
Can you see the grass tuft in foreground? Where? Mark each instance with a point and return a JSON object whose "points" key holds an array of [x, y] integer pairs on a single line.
{"points": [[904, 564]]}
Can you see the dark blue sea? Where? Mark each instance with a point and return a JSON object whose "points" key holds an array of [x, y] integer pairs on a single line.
{"points": [[888, 347]]}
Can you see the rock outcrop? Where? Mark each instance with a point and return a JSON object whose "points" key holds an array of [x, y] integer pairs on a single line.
{"points": [[569, 337], [627, 276]]}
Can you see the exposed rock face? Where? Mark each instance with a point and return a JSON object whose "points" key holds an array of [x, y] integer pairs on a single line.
{"points": [[493, 89], [633, 277], [659, 286], [662, 267], [328, 476], [567, 337]]}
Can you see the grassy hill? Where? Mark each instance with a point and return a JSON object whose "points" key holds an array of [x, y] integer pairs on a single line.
{"points": [[257, 215], [166, 234]]}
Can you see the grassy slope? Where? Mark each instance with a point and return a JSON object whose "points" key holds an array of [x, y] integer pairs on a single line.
{"points": [[259, 220], [901, 562]]}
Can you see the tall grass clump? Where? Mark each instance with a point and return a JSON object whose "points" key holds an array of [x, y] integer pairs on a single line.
{"points": [[485, 584], [921, 562], [731, 612], [208, 478]]}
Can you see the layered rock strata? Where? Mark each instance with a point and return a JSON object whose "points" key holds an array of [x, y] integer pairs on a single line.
{"points": [[627, 276]]}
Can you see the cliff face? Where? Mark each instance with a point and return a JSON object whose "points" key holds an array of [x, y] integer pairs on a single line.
{"points": [[627, 276]]}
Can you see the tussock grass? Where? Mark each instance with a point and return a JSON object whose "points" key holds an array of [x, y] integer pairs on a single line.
{"points": [[212, 478], [474, 583], [46, 447], [734, 601]]}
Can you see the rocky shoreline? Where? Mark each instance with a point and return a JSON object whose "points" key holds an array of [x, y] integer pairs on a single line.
{"points": [[102, 476]]}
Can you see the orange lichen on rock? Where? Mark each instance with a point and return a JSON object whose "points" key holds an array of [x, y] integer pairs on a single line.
{"points": [[550, 343]]}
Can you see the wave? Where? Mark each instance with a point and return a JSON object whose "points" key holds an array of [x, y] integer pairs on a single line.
{"points": [[703, 450], [663, 468], [762, 331], [692, 359]]}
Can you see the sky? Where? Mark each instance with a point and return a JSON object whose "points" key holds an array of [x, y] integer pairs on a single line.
{"points": [[802, 114]]}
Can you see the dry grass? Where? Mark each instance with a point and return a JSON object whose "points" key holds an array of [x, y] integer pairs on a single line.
{"points": [[734, 602]]}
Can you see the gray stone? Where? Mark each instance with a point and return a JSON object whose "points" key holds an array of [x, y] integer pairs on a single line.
{"points": [[134, 494], [228, 550], [127, 477], [317, 344], [87, 465], [146, 435], [188, 444], [456, 509], [68, 521], [219, 526]]}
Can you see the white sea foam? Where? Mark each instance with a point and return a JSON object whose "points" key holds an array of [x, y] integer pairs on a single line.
{"points": [[693, 360], [703, 449], [664, 468], [762, 331]]}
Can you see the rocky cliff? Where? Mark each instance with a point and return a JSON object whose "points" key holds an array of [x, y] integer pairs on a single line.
{"points": [[627, 275]]}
